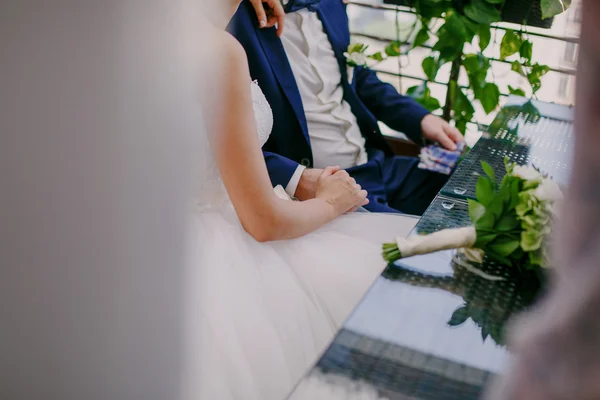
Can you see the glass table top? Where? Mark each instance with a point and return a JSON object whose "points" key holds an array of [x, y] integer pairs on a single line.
{"points": [[528, 133], [432, 326]]}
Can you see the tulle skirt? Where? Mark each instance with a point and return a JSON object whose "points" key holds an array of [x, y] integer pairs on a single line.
{"points": [[260, 314]]}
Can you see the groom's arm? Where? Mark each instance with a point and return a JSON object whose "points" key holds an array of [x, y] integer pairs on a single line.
{"points": [[399, 112], [298, 181], [281, 169]]}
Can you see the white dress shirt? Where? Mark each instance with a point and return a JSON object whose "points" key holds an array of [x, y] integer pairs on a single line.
{"points": [[334, 133]]}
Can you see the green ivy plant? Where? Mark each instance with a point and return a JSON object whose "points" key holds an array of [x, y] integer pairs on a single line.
{"points": [[469, 22]]}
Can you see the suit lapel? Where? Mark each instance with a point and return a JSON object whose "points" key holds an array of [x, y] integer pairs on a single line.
{"points": [[337, 42], [278, 61]]}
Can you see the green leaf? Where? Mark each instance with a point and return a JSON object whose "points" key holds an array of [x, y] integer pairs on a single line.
{"points": [[433, 8], [490, 97], [516, 91], [484, 190], [515, 188], [456, 27], [430, 103], [519, 253], [496, 333], [526, 51], [534, 76], [540, 69], [482, 12], [499, 259], [532, 110], [472, 64], [430, 66], [476, 210], [488, 170], [417, 91], [486, 222], [460, 124], [504, 193], [433, 104], [477, 314], [477, 66], [422, 37], [484, 332], [472, 26], [507, 223], [462, 106], [459, 316], [485, 36], [550, 8], [511, 43], [504, 247], [448, 45], [518, 68], [448, 54], [422, 95], [393, 49], [495, 207], [536, 257], [496, 1], [357, 47], [535, 83], [484, 238], [377, 56]]}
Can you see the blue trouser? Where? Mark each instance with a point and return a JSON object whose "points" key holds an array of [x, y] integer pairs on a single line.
{"points": [[396, 184]]}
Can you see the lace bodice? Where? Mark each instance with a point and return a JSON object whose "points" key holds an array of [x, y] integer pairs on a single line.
{"points": [[212, 192], [263, 114]]}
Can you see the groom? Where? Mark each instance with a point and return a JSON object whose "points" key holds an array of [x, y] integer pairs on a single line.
{"points": [[323, 117]]}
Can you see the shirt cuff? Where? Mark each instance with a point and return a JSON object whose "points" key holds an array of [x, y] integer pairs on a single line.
{"points": [[292, 185]]}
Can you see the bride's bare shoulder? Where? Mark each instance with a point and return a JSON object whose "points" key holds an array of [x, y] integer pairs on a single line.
{"points": [[229, 75], [231, 54]]}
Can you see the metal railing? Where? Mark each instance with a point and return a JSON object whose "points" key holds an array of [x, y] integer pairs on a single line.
{"points": [[497, 27]]}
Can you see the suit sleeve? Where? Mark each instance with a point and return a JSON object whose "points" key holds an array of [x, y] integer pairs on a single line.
{"points": [[399, 112], [280, 168]]}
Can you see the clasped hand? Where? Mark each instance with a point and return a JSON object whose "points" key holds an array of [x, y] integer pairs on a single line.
{"points": [[340, 190]]}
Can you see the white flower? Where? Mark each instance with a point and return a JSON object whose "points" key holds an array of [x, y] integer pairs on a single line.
{"points": [[355, 58], [526, 173], [548, 190]]}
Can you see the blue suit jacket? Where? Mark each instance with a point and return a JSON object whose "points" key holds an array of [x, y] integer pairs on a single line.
{"points": [[369, 98]]}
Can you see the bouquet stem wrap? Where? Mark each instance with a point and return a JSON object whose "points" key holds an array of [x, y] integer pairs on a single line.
{"points": [[442, 240]]}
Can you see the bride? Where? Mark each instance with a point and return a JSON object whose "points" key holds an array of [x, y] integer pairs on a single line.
{"points": [[272, 279]]}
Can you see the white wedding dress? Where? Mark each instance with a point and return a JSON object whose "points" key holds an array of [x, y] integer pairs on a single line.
{"points": [[263, 312]]}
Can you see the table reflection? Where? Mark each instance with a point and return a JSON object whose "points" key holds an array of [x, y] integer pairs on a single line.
{"points": [[429, 328]]}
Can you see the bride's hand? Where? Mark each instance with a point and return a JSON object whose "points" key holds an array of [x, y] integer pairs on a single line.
{"points": [[340, 190], [270, 14]]}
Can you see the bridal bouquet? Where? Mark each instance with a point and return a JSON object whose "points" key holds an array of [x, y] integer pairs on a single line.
{"points": [[511, 222]]}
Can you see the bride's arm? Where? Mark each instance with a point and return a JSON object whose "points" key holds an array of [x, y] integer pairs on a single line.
{"points": [[243, 170]]}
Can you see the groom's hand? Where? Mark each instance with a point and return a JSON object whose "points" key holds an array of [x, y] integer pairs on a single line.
{"points": [[438, 130], [307, 185]]}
